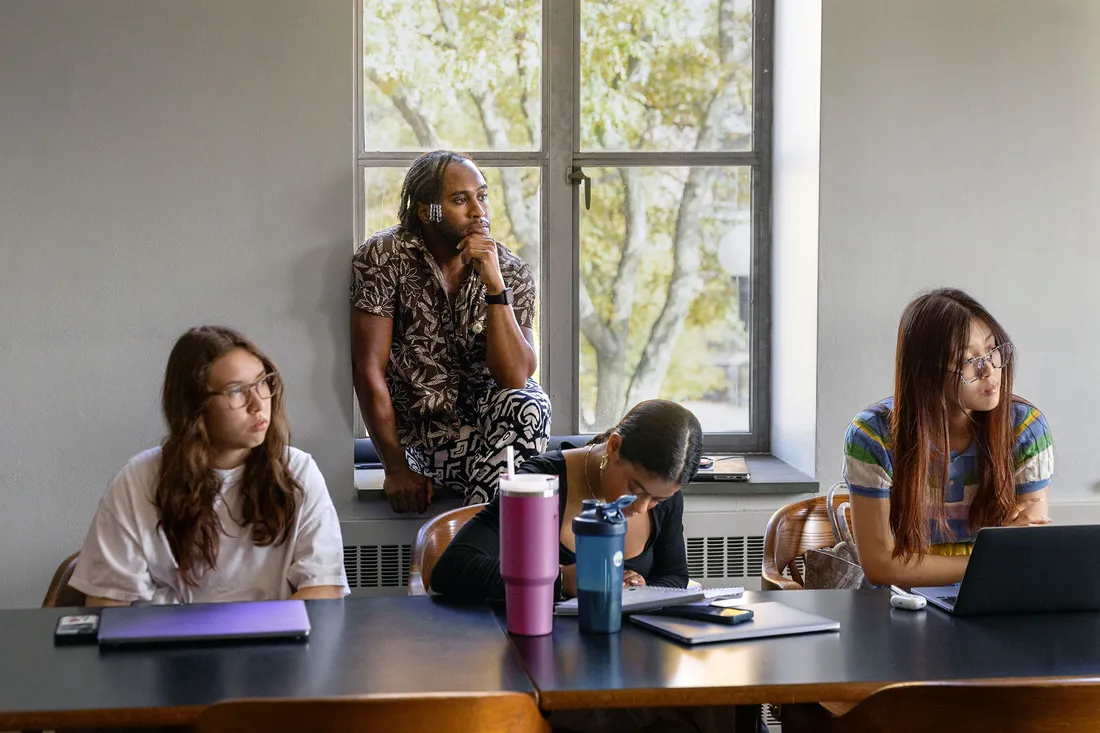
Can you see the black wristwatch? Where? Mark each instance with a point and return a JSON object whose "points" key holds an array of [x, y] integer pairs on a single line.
{"points": [[505, 298]]}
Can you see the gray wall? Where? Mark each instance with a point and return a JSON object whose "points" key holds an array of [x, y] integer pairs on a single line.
{"points": [[959, 147], [163, 163]]}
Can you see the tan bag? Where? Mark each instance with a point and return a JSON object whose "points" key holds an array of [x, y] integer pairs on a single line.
{"points": [[837, 566]]}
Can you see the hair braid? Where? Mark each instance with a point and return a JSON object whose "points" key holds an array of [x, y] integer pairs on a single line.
{"points": [[423, 185]]}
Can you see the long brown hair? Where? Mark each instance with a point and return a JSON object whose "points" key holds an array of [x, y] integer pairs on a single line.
{"points": [[932, 341], [187, 484]]}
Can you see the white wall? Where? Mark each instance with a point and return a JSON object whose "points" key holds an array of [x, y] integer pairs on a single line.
{"points": [[959, 147], [795, 154], [163, 163]]}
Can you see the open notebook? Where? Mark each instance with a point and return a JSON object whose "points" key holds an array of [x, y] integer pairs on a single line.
{"points": [[644, 598]]}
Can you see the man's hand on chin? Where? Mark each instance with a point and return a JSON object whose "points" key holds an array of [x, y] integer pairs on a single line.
{"points": [[481, 250]]}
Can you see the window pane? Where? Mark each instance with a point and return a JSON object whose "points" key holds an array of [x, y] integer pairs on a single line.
{"points": [[460, 74], [666, 75], [665, 268], [514, 200]]}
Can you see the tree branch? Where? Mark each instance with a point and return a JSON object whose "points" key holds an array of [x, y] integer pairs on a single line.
{"points": [[521, 75], [408, 104], [593, 328], [622, 288], [685, 281]]}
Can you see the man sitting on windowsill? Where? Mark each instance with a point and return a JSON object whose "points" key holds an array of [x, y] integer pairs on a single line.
{"points": [[441, 335]]}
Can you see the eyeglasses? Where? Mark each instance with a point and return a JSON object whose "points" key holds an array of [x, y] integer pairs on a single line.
{"points": [[972, 370], [238, 395]]}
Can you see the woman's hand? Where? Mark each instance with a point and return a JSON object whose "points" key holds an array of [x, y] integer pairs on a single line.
{"points": [[631, 579], [1028, 512]]}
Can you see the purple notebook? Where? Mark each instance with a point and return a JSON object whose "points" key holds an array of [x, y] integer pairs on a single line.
{"points": [[121, 626]]}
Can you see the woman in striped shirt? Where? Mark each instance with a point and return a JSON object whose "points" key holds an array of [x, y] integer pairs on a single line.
{"points": [[917, 507]]}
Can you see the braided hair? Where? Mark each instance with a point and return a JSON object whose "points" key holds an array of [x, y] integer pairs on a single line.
{"points": [[424, 185]]}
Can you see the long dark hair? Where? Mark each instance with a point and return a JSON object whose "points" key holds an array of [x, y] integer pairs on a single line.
{"points": [[424, 185], [662, 437], [187, 484], [932, 341]]}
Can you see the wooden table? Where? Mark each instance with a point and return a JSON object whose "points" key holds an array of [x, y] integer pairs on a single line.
{"points": [[877, 645], [358, 646]]}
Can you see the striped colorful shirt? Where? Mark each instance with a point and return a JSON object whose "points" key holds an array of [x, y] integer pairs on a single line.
{"points": [[869, 464]]}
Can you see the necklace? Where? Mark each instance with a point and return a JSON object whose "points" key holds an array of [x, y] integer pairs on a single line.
{"points": [[587, 482]]}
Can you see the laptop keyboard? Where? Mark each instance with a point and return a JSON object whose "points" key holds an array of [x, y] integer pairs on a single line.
{"points": [[949, 599]]}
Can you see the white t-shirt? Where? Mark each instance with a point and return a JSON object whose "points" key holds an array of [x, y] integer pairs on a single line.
{"points": [[126, 557]]}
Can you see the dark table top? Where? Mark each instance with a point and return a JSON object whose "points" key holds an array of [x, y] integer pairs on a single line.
{"points": [[358, 646], [877, 645]]}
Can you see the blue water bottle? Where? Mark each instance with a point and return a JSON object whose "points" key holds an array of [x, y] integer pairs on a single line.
{"points": [[600, 531]]}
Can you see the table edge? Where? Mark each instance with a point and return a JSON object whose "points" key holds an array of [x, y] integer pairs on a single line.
{"points": [[853, 692]]}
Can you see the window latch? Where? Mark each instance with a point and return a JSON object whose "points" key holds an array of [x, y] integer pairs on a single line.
{"points": [[576, 177]]}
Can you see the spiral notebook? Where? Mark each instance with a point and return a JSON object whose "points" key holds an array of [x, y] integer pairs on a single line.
{"points": [[644, 598]]}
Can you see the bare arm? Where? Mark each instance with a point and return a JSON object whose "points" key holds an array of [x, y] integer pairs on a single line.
{"points": [[99, 602], [509, 352], [319, 591], [875, 542], [371, 339], [1031, 509]]}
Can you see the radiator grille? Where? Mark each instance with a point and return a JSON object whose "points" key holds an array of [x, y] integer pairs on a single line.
{"points": [[725, 557], [377, 566]]}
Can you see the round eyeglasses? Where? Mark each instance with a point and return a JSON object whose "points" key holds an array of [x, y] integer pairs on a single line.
{"points": [[972, 370], [237, 395]]}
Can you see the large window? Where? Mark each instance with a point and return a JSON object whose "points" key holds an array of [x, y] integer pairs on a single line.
{"points": [[626, 144]]}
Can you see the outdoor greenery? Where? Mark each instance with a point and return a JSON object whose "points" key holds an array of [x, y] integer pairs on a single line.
{"points": [[664, 250]]}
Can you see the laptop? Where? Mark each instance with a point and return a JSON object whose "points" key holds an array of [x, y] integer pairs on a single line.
{"points": [[723, 468], [1026, 570], [769, 619], [203, 622]]}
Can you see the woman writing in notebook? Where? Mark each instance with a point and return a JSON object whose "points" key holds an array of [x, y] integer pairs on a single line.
{"points": [[224, 510], [951, 452], [651, 453]]}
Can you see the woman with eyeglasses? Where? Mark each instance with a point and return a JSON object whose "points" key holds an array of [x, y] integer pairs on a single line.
{"points": [[951, 452], [224, 509]]}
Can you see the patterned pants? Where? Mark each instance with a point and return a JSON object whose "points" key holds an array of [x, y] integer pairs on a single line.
{"points": [[472, 463]]}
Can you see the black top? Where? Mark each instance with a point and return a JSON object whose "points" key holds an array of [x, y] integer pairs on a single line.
{"points": [[469, 568]]}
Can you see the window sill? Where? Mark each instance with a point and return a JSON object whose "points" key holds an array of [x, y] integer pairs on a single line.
{"points": [[769, 475]]}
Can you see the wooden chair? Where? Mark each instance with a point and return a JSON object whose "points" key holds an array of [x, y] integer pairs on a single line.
{"points": [[431, 541], [1050, 705], [505, 712], [793, 529], [59, 593]]}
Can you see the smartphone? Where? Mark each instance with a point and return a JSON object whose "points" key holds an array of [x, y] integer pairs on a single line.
{"points": [[713, 614], [72, 630]]}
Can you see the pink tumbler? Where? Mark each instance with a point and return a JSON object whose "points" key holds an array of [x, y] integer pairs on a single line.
{"points": [[529, 537]]}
